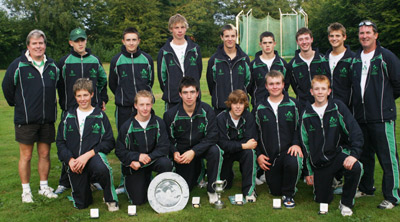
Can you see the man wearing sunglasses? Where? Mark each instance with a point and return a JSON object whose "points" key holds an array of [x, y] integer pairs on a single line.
{"points": [[376, 85]]}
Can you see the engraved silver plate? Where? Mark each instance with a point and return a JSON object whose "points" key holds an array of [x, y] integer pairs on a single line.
{"points": [[168, 192]]}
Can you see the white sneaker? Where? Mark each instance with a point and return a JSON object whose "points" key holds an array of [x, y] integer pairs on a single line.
{"points": [[252, 198], [362, 194], [385, 204], [259, 182], [112, 206], [120, 190], [48, 192], [212, 197], [262, 178], [27, 197], [346, 211], [60, 189]]}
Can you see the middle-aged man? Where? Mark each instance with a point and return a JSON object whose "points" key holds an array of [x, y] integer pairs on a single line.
{"points": [[179, 57], [333, 141], [30, 86], [279, 153], [142, 147], [306, 63], [193, 133], [79, 63], [339, 57], [376, 85], [228, 69], [265, 60]]}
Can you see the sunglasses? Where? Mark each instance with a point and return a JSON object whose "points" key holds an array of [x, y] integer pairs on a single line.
{"points": [[367, 23]]}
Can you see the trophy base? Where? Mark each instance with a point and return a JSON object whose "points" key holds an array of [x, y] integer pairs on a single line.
{"points": [[219, 205]]}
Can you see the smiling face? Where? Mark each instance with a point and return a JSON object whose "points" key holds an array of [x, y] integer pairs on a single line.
{"points": [[304, 41], [79, 46], [178, 31], [367, 38], [229, 38], [320, 91], [143, 107], [131, 42], [275, 86], [267, 45], [84, 99], [37, 48], [189, 96], [336, 38], [237, 109]]}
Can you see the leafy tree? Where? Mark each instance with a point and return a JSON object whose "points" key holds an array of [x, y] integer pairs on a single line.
{"points": [[11, 42]]}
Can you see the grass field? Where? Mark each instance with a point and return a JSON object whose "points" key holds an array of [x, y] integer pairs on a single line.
{"points": [[12, 209]]}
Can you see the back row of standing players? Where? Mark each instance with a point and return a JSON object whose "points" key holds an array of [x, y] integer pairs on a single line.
{"points": [[366, 82]]}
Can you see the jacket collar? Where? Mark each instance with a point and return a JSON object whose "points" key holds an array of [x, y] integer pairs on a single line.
{"points": [[128, 54]]}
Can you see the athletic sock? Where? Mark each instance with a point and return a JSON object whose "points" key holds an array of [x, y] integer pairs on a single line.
{"points": [[26, 188], [43, 184]]}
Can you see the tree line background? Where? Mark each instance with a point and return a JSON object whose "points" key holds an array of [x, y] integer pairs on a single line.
{"points": [[105, 20]]}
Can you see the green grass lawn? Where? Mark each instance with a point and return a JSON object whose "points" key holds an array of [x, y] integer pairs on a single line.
{"points": [[12, 209]]}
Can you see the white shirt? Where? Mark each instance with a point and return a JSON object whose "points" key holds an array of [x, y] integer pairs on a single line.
{"points": [[320, 110], [274, 106], [81, 115], [180, 53], [366, 61], [334, 59], [38, 66], [268, 62], [236, 122], [308, 61], [144, 124]]}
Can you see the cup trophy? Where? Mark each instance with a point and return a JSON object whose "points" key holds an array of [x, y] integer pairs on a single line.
{"points": [[219, 187]]}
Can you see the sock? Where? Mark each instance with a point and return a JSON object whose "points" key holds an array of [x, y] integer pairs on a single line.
{"points": [[26, 188], [43, 184]]}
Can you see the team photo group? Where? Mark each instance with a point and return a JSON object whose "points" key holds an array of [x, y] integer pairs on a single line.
{"points": [[343, 114]]}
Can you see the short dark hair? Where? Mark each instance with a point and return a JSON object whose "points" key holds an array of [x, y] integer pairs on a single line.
{"points": [[130, 30], [227, 27], [336, 26], [83, 84], [302, 31], [274, 74], [267, 34], [188, 81]]}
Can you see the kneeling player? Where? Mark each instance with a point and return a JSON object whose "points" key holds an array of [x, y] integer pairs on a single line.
{"points": [[333, 141], [142, 147], [83, 140], [279, 153], [238, 139]]}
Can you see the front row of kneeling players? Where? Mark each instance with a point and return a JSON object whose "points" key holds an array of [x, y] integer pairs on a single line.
{"points": [[331, 138]]}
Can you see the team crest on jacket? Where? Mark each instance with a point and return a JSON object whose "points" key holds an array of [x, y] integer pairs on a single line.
{"points": [[93, 73], [374, 71], [260, 76], [72, 73], [52, 75], [95, 128], [30, 76], [171, 63], [192, 61], [343, 72], [332, 122], [220, 73], [265, 119], [301, 75], [180, 129], [144, 73], [289, 116], [124, 74], [240, 70], [202, 127], [311, 128], [70, 129]]}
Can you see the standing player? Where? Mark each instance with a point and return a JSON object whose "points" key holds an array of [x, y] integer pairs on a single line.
{"points": [[333, 141], [193, 134], [265, 60], [376, 85], [30, 86], [84, 138], [238, 139], [228, 69], [306, 63], [142, 147], [178, 57], [279, 153]]}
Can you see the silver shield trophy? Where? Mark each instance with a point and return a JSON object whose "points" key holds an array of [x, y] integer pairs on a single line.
{"points": [[219, 187]]}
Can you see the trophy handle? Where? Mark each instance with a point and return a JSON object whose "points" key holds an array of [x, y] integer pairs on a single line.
{"points": [[213, 186], [225, 183]]}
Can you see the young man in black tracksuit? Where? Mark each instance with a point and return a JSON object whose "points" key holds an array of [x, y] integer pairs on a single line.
{"points": [[193, 134], [79, 63], [376, 85], [238, 140], [333, 141], [228, 69], [131, 70], [265, 60], [84, 138], [279, 152], [179, 57], [142, 147], [306, 63]]}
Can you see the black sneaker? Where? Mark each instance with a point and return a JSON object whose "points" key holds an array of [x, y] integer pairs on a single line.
{"points": [[288, 202]]}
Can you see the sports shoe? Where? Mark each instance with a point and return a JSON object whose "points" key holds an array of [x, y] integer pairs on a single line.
{"points": [[112, 206], [288, 202], [252, 198], [48, 192], [362, 194], [120, 190], [259, 182], [27, 197], [212, 197], [60, 189], [386, 205], [345, 210], [203, 184]]}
